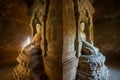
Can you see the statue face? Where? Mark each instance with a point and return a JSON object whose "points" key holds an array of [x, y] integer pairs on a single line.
{"points": [[38, 27], [82, 26]]}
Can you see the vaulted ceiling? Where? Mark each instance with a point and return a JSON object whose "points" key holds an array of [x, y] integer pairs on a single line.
{"points": [[18, 8]]}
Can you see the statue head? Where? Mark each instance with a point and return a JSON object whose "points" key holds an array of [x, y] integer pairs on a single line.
{"points": [[82, 26], [38, 27]]}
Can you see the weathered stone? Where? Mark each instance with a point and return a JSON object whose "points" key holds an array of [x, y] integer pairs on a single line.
{"points": [[91, 67], [30, 65]]}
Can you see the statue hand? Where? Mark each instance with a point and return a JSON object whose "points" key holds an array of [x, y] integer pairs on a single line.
{"points": [[81, 39], [96, 50]]}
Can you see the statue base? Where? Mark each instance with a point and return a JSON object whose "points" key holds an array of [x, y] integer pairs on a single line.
{"points": [[30, 65], [91, 67]]}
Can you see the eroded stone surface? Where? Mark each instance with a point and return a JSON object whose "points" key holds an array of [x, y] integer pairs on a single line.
{"points": [[91, 67], [30, 64]]}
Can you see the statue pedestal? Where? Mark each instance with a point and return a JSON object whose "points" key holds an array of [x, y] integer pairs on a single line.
{"points": [[91, 67], [30, 65], [22, 71]]}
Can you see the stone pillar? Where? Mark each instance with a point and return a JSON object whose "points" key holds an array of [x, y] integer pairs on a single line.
{"points": [[52, 59], [60, 62], [69, 59]]}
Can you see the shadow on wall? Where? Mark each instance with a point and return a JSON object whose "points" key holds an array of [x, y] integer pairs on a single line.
{"points": [[107, 35], [107, 25]]}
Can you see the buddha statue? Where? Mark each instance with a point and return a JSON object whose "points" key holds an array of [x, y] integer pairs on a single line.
{"points": [[37, 37], [87, 48]]}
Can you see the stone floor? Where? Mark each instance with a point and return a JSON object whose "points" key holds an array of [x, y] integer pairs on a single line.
{"points": [[112, 63]]}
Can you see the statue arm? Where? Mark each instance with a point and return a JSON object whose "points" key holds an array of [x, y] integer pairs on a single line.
{"points": [[90, 46], [85, 43]]}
